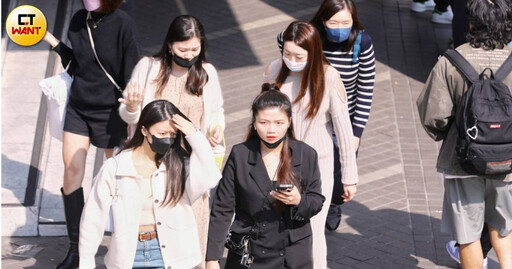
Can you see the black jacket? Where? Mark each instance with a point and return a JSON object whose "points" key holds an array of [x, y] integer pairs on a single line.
{"points": [[244, 190]]}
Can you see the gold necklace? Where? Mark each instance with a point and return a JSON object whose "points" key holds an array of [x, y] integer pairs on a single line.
{"points": [[95, 24]]}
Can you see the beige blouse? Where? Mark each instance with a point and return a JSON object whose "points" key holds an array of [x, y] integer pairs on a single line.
{"points": [[147, 217], [191, 105]]}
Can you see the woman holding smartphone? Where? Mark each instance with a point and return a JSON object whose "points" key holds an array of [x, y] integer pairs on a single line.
{"points": [[271, 228]]}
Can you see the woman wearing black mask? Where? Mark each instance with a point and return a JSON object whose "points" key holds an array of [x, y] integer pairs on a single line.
{"points": [[271, 183], [180, 74], [150, 187]]}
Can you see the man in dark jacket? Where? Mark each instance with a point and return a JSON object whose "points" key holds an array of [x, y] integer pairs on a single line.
{"points": [[470, 200]]}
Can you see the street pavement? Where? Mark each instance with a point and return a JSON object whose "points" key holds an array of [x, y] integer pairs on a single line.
{"points": [[394, 221]]}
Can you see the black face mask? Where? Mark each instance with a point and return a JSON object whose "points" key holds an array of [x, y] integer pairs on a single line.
{"points": [[161, 145], [184, 62], [275, 144]]}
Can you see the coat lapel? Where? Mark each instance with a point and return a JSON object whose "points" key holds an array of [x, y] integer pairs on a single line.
{"points": [[258, 171], [296, 151]]}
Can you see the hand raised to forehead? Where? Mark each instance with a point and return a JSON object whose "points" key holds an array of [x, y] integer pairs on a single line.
{"points": [[185, 126]]}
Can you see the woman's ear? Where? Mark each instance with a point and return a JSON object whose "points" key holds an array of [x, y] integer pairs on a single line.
{"points": [[144, 131]]}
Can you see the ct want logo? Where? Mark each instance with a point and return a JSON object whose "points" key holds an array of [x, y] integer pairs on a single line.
{"points": [[26, 25]]}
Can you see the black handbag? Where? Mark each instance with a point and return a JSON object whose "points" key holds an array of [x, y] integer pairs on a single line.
{"points": [[241, 245]]}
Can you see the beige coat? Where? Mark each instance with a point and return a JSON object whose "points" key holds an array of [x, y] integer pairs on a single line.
{"points": [[176, 226]]}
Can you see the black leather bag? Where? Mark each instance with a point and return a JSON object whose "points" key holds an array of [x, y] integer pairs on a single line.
{"points": [[241, 245]]}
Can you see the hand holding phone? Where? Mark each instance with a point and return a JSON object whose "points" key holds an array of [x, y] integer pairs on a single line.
{"points": [[284, 187], [287, 193]]}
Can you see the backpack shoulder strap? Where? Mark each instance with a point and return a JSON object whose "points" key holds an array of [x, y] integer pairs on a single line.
{"points": [[357, 47], [504, 69], [462, 65]]}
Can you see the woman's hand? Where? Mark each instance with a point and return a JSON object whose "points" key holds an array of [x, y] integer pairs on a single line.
{"points": [[349, 192], [134, 96], [288, 197], [216, 136], [212, 265], [357, 141], [48, 37], [185, 126]]}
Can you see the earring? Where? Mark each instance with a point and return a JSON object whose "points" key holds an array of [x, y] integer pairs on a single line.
{"points": [[254, 126]]}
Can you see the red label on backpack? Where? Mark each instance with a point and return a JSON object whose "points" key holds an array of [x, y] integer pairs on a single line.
{"points": [[506, 163], [495, 126]]}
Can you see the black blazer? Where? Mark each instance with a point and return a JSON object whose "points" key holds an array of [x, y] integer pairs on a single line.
{"points": [[244, 190]]}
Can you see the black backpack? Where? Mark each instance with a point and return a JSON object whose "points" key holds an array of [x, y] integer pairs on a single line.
{"points": [[484, 119]]}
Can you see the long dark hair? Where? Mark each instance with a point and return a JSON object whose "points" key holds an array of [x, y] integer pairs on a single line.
{"points": [[175, 158], [306, 36], [108, 6], [491, 23], [271, 97], [331, 7], [183, 28]]}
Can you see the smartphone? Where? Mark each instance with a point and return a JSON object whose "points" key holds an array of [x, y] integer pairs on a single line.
{"points": [[284, 187]]}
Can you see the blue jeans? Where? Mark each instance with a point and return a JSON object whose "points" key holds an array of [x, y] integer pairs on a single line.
{"points": [[148, 255]]}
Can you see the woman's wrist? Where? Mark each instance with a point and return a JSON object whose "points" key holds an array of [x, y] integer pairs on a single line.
{"points": [[132, 108], [48, 37]]}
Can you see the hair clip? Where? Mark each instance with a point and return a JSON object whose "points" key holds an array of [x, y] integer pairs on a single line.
{"points": [[490, 2]]}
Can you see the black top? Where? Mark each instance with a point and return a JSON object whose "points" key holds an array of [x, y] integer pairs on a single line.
{"points": [[244, 190], [116, 44]]}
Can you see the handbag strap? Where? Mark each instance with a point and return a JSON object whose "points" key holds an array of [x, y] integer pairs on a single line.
{"points": [[118, 179], [149, 71], [96, 55]]}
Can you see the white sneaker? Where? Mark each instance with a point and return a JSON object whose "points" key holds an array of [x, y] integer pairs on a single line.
{"points": [[486, 261], [423, 6], [442, 17]]}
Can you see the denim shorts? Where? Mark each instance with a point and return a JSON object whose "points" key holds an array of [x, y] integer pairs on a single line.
{"points": [[148, 255]]}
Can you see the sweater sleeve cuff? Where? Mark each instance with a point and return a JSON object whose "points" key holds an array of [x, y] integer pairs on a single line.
{"points": [[127, 116], [300, 211], [87, 262], [60, 47], [358, 131], [195, 138]]}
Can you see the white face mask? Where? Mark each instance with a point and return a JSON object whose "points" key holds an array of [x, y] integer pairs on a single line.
{"points": [[91, 5], [294, 67]]}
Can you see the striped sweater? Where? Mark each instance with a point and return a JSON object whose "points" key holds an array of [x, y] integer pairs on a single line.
{"points": [[358, 78]]}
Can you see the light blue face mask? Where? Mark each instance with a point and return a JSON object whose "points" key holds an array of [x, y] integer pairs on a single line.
{"points": [[338, 35], [510, 44]]}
